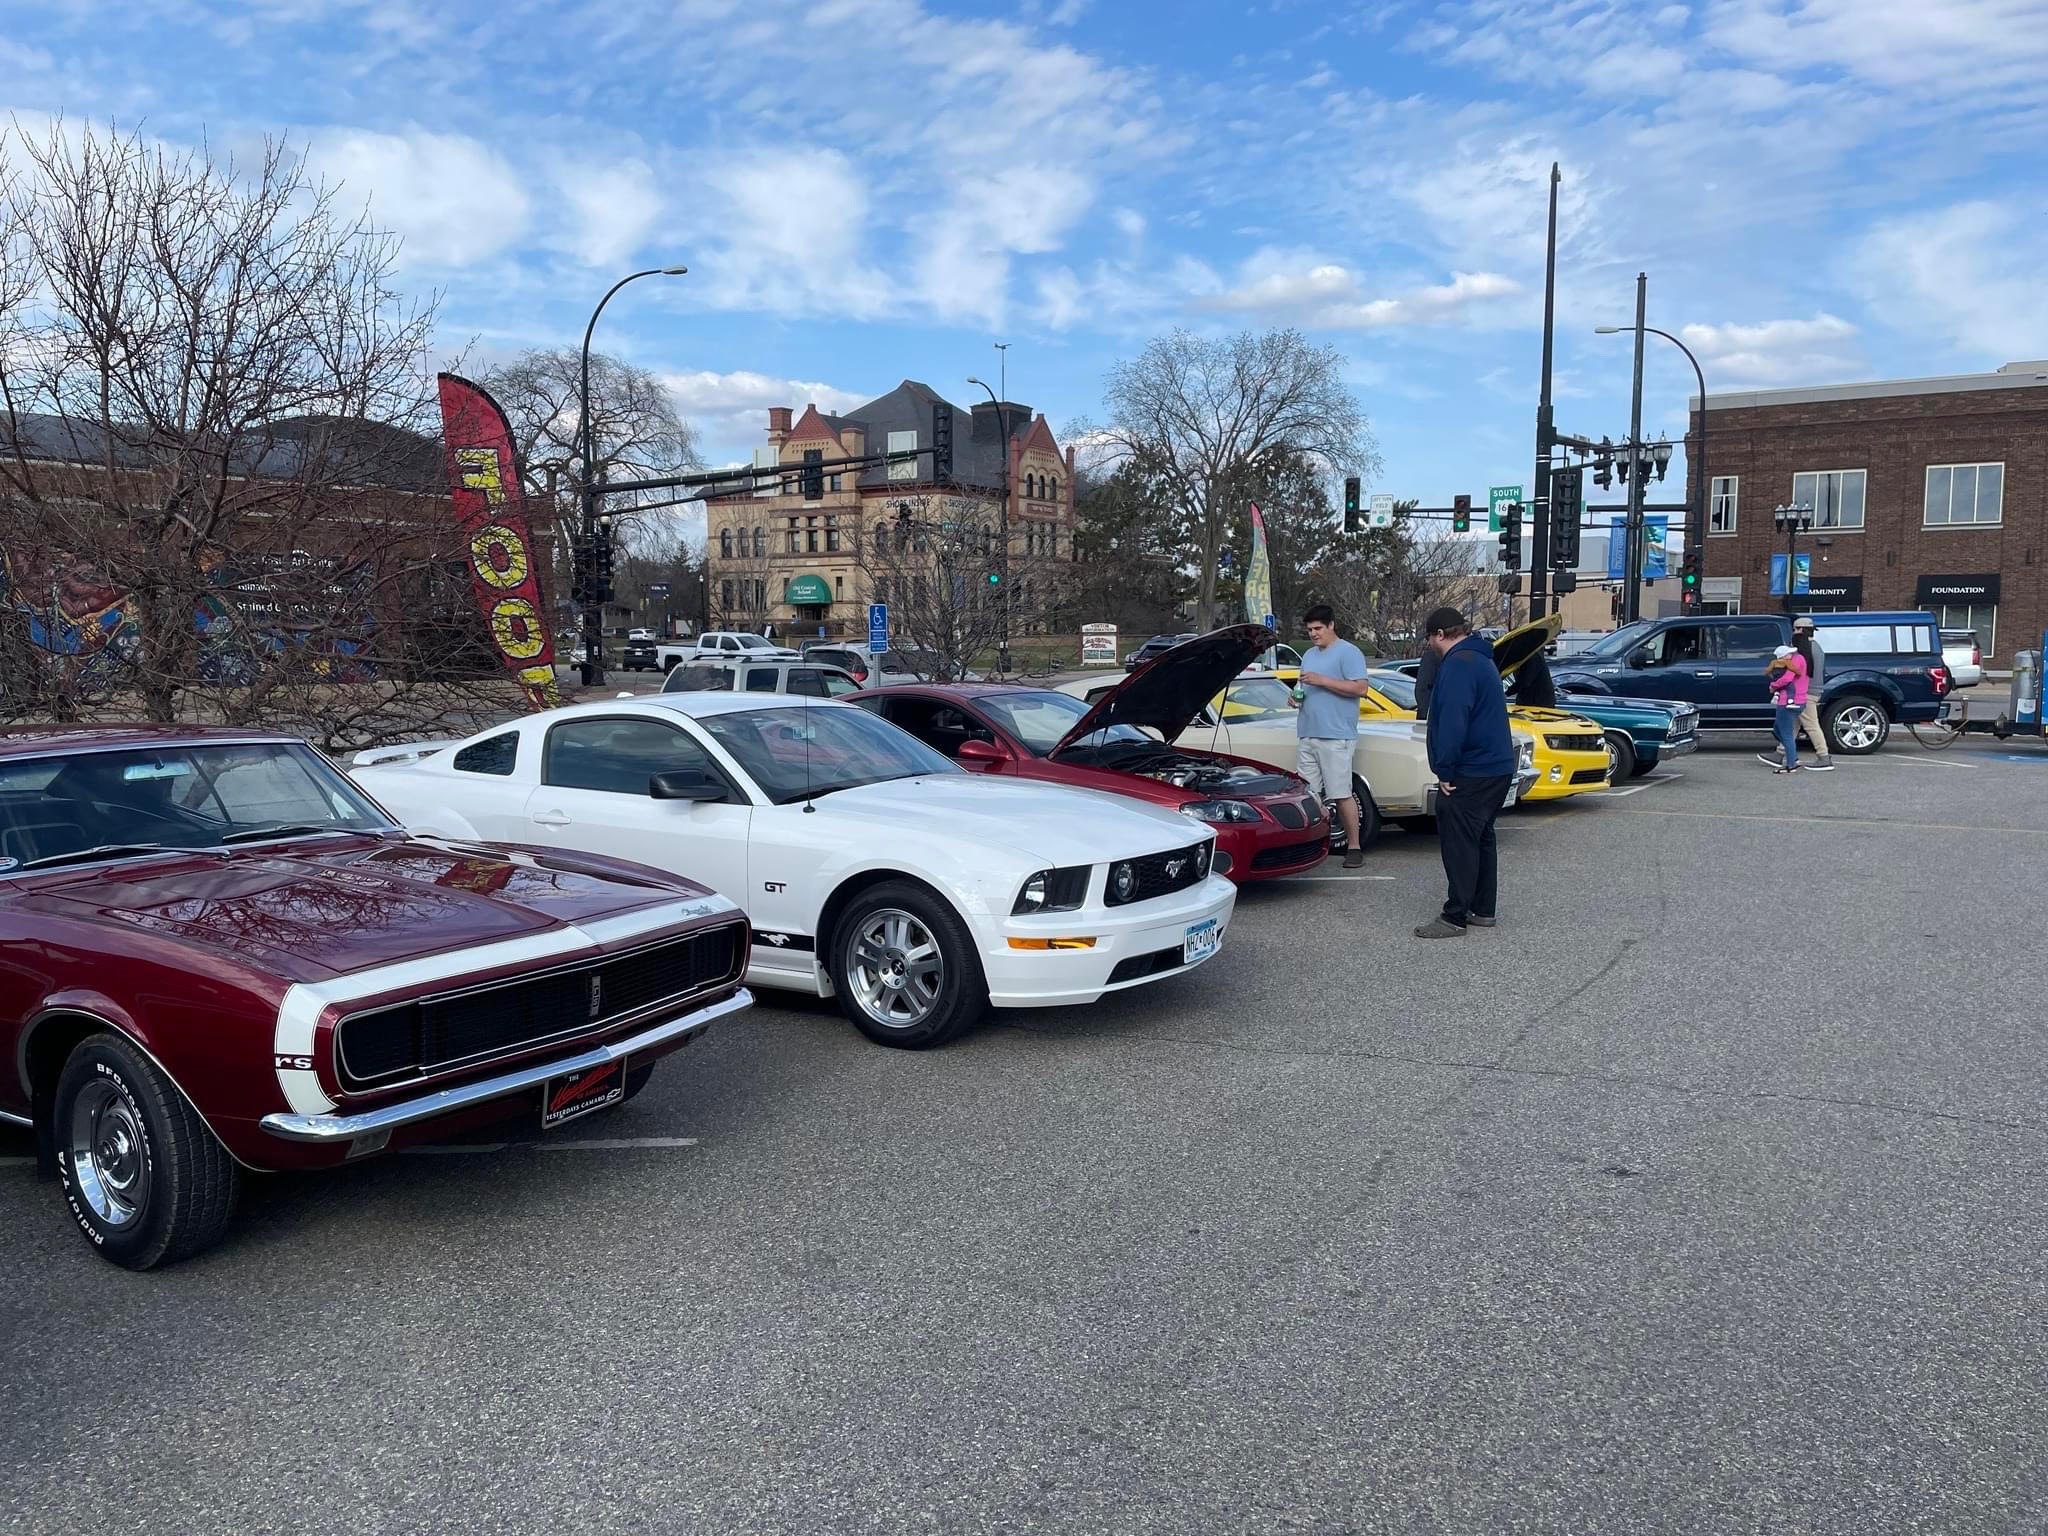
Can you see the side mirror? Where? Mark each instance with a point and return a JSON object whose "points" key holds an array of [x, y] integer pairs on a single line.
{"points": [[687, 785], [984, 754], [1639, 658]]}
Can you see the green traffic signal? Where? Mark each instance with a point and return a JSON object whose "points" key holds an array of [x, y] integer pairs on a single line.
{"points": [[995, 578]]}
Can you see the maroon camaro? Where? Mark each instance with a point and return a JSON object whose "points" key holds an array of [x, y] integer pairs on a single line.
{"points": [[1267, 823], [222, 955]]}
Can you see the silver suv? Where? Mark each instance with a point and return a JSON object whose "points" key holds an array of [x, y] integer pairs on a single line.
{"points": [[713, 674]]}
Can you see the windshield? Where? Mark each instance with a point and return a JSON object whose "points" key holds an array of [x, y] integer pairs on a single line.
{"points": [[1397, 686], [1041, 720], [755, 643], [179, 797], [798, 754], [1265, 698], [1617, 645]]}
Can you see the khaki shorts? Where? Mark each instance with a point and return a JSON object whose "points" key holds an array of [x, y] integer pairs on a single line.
{"points": [[1325, 761]]}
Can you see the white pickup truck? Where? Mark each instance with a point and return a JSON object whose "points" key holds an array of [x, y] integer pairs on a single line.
{"points": [[732, 644]]}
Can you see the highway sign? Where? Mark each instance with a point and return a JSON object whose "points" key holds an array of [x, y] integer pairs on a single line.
{"points": [[1498, 496]]}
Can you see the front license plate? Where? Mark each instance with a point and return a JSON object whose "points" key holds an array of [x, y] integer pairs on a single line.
{"points": [[575, 1094], [1200, 943]]}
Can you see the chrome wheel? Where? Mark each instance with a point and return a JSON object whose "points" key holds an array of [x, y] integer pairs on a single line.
{"points": [[1859, 727], [106, 1155], [895, 967]]}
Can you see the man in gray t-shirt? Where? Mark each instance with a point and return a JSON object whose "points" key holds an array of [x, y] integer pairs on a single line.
{"points": [[1332, 683]]}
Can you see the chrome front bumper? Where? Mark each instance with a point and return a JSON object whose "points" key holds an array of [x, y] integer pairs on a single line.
{"points": [[382, 1121]]}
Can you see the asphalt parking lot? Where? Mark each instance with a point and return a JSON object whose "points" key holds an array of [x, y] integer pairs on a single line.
{"points": [[1706, 1194]]}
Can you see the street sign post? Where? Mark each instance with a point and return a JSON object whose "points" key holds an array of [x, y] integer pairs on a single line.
{"points": [[878, 626], [1498, 496], [1380, 511]]}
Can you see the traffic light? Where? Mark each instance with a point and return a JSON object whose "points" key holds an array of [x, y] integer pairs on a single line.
{"points": [[601, 567], [995, 578], [1567, 489], [1354, 519], [1461, 514], [1603, 464], [1511, 536]]}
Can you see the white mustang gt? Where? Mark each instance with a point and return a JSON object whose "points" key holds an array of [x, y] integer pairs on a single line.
{"points": [[870, 866]]}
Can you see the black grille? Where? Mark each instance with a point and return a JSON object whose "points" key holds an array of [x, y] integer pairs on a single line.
{"points": [[506, 1016], [1291, 854], [1589, 775], [1147, 965], [1577, 744], [1288, 814], [1159, 874]]}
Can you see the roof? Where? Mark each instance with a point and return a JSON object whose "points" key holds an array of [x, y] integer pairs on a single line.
{"points": [[965, 690], [357, 451], [2032, 375], [35, 740], [695, 704]]}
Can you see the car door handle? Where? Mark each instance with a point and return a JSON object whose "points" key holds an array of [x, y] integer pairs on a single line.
{"points": [[1703, 674], [550, 819]]}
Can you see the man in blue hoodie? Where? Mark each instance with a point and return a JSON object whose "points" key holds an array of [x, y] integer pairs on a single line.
{"points": [[1472, 754]]}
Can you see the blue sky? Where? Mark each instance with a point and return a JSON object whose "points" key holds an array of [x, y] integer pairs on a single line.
{"points": [[866, 190]]}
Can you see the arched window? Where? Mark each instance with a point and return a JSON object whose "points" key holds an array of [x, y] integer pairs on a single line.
{"points": [[725, 543], [760, 543], [1052, 492], [725, 597]]}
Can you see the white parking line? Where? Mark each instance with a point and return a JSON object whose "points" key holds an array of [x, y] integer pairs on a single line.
{"points": [[1321, 878], [1924, 762], [1637, 789]]}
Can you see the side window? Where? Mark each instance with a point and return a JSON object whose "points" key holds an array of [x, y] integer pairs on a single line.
{"points": [[808, 681], [497, 754], [619, 756], [699, 677], [761, 680], [1749, 640], [838, 685], [939, 726], [1677, 645], [1856, 639]]}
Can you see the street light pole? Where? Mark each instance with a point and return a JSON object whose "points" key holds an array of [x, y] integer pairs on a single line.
{"points": [[1696, 511], [1791, 519], [593, 606], [1540, 511], [1002, 537], [1632, 559]]}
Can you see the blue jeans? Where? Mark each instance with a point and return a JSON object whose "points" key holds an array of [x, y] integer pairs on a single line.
{"points": [[1787, 725]]}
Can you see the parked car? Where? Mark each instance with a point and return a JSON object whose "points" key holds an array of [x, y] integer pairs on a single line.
{"points": [[1881, 670], [726, 642], [872, 869], [890, 668], [1267, 823], [1254, 718], [1158, 645], [811, 677], [1962, 654], [639, 634], [223, 955]]}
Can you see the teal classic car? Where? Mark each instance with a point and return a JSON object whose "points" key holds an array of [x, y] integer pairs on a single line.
{"points": [[1640, 733]]}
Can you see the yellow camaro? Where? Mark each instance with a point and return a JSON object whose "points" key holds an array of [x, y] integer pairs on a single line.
{"points": [[1571, 752]]}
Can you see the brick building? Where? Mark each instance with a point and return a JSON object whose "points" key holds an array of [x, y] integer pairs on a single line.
{"points": [[798, 552], [1927, 493]]}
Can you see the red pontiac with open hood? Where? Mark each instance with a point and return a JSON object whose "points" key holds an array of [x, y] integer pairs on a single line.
{"points": [[1267, 823], [223, 955]]}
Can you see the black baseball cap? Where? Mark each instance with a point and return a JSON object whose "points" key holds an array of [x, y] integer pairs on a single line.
{"points": [[1443, 621]]}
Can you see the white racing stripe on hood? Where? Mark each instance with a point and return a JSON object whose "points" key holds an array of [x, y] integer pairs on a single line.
{"points": [[299, 1014]]}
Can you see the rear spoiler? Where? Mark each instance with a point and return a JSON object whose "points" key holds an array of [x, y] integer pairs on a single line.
{"points": [[410, 752]]}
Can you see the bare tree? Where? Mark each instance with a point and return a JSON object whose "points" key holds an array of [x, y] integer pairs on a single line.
{"points": [[1197, 414], [930, 558], [1384, 583], [217, 455]]}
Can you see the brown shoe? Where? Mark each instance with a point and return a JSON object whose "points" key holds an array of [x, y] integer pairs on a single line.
{"points": [[1354, 858]]}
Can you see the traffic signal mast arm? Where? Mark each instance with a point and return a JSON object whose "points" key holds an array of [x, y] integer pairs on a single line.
{"points": [[721, 482]]}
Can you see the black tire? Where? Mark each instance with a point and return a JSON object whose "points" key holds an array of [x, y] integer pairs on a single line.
{"points": [[1369, 822], [961, 998], [1621, 758], [152, 1185], [1864, 719], [669, 664]]}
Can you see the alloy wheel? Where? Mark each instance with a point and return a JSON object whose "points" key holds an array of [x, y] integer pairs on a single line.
{"points": [[896, 968], [1859, 727]]}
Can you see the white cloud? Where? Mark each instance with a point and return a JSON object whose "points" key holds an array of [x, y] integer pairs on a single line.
{"points": [[1967, 278], [1952, 47], [454, 200], [1277, 285], [730, 410], [788, 231], [1810, 351], [964, 265], [610, 209]]}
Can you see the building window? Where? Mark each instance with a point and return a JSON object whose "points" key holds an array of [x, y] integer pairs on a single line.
{"points": [[760, 543], [760, 596], [1965, 495], [725, 543], [1721, 514], [791, 545], [881, 541], [725, 597], [839, 588], [831, 534], [1980, 618], [924, 594], [881, 593], [902, 469], [1836, 496], [811, 535], [835, 482], [766, 458], [1053, 489]]}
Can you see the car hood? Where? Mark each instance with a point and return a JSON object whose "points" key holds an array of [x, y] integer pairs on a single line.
{"points": [[1169, 690], [1609, 701], [326, 907], [1518, 645], [1043, 824], [1530, 714]]}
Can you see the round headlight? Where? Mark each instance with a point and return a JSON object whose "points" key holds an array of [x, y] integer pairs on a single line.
{"points": [[1556, 772], [1123, 882]]}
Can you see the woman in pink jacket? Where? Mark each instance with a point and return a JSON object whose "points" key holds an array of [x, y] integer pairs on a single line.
{"points": [[1788, 690]]}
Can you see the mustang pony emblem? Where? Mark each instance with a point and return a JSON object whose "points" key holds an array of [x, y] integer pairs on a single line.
{"points": [[1174, 867]]}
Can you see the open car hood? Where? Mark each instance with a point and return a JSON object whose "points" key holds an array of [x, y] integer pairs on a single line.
{"points": [[1170, 690], [1518, 645]]}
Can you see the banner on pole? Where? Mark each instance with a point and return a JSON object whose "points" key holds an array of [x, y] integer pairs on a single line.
{"points": [[483, 480], [1258, 576], [1656, 547]]}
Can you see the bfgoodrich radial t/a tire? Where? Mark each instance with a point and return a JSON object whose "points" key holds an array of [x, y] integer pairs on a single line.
{"points": [[145, 1179], [904, 967]]}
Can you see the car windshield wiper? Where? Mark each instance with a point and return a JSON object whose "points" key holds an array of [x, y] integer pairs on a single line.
{"points": [[287, 829], [103, 851]]}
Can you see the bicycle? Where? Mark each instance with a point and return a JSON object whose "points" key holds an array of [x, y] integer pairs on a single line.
{"points": [[1947, 731]]}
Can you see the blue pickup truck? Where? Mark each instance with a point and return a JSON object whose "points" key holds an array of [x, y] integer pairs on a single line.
{"points": [[1878, 670]]}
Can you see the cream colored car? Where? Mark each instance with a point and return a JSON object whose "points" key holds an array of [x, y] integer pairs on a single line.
{"points": [[1254, 719]]}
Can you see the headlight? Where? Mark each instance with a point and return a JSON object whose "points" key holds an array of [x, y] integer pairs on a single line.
{"points": [[1528, 754], [1053, 890], [1218, 811], [1123, 882]]}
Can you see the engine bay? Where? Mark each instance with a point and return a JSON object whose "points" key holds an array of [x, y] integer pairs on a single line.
{"points": [[1210, 776]]}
